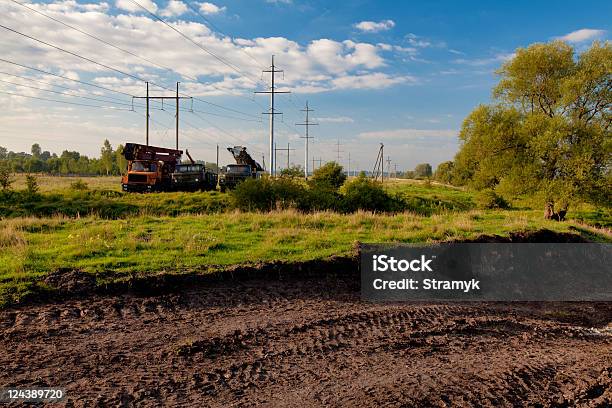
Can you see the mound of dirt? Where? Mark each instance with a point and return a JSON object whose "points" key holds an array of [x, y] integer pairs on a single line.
{"points": [[540, 236], [70, 281]]}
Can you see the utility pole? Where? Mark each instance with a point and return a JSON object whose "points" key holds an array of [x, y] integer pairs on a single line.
{"points": [[263, 161], [272, 111], [287, 149], [147, 113], [378, 165], [388, 168], [307, 123], [176, 97], [349, 164], [395, 170], [338, 151], [313, 166], [218, 159]]}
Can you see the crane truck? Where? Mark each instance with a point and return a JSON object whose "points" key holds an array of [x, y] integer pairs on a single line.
{"points": [[152, 168], [246, 167]]}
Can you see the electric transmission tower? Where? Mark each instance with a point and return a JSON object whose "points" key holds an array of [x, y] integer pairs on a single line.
{"points": [[307, 123], [378, 165], [283, 149], [272, 111]]}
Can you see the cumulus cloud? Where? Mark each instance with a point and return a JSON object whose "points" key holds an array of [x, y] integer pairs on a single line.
{"points": [[321, 65], [210, 8], [128, 5], [174, 8], [584, 34], [374, 27]]}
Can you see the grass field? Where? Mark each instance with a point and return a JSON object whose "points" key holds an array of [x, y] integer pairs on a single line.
{"points": [[184, 232]]}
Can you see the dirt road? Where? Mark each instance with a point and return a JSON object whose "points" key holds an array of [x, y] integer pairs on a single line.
{"points": [[308, 342]]}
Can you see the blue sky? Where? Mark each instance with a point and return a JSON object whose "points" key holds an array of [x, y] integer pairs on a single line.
{"points": [[401, 73]]}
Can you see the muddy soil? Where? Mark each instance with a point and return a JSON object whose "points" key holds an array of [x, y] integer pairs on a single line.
{"points": [[307, 342]]}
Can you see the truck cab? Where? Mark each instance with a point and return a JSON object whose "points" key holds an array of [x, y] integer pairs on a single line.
{"points": [[192, 177], [142, 175], [234, 174]]}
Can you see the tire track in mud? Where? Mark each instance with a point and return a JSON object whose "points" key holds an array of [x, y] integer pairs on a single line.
{"points": [[302, 343]]}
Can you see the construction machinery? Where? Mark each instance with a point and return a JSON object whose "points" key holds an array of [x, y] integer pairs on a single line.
{"points": [[152, 168], [246, 167], [193, 176]]}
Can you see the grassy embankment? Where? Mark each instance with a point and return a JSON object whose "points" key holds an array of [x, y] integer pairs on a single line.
{"points": [[176, 232]]}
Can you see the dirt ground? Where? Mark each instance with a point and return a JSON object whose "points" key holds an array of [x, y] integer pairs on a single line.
{"points": [[308, 342]]}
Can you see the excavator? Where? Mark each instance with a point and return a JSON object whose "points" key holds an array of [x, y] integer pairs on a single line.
{"points": [[246, 167], [152, 168]]}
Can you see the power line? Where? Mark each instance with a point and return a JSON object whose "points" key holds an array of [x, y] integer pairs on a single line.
{"points": [[123, 49], [219, 30], [66, 102], [63, 93], [65, 77], [115, 69], [228, 64]]}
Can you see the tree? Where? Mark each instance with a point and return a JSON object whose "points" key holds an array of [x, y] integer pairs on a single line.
{"points": [[423, 170], [548, 134], [444, 172], [36, 151], [292, 172], [31, 184], [106, 157], [120, 160], [3, 153], [6, 178], [330, 175]]}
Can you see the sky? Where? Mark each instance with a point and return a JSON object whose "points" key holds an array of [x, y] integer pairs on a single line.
{"points": [[404, 74]]}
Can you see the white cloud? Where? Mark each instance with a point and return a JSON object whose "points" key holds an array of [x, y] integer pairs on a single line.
{"points": [[174, 8], [583, 34], [409, 134], [127, 5], [502, 57], [374, 27], [210, 8], [279, 1], [335, 119]]}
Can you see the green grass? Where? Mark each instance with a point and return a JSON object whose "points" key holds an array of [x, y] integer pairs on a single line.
{"points": [[144, 245]]}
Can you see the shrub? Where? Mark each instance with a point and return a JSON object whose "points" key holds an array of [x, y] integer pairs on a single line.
{"points": [[489, 199], [31, 184], [329, 175], [79, 185], [266, 194], [6, 178], [362, 193]]}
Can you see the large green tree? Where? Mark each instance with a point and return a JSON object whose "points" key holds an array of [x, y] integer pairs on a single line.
{"points": [[107, 157], [548, 134]]}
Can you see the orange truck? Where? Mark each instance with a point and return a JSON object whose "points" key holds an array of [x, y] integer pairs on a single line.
{"points": [[149, 168]]}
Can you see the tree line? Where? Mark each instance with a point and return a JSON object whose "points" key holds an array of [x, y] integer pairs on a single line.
{"points": [[110, 161]]}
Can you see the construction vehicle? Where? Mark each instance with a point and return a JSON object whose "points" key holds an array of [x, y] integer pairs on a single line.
{"points": [[152, 168], [149, 167], [193, 176], [246, 167]]}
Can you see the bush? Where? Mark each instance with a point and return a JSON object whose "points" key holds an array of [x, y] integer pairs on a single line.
{"points": [[362, 193], [31, 184], [329, 175], [266, 194], [6, 178], [79, 185], [489, 200]]}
